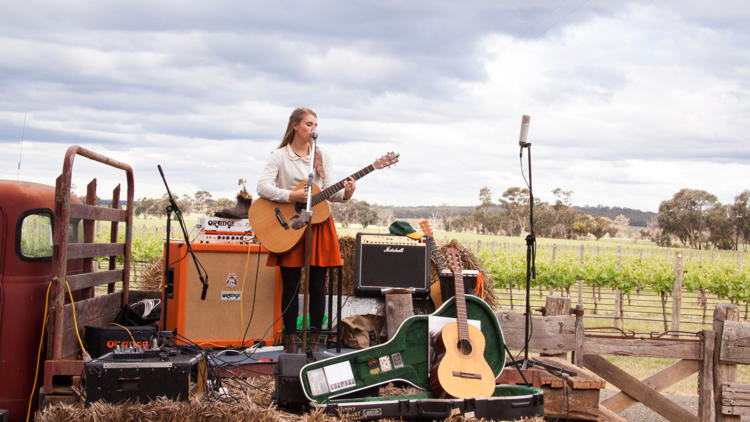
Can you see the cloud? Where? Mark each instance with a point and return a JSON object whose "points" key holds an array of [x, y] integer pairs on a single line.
{"points": [[205, 89]]}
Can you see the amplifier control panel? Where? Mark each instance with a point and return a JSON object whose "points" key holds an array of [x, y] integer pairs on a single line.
{"points": [[392, 240]]}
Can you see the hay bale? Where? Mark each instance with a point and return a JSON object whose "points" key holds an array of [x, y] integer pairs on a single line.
{"points": [[153, 277], [247, 404]]}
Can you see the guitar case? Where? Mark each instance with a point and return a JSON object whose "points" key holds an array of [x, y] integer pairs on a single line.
{"points": [[404, 359]]}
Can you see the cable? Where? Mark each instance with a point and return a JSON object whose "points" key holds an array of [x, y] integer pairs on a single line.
{"points": [[255, 295], [39, 354], [86, 356], [148, 305], [126, 329]]}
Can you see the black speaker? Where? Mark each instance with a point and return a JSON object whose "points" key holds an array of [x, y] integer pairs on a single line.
{"points": [[386, 261]]}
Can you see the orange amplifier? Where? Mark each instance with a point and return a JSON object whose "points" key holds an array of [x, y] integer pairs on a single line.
{"points": [[232, 296]]}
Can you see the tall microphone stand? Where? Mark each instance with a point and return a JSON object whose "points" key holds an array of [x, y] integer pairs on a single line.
{"points": [[308, 232], [203, 275], [530, 246]]}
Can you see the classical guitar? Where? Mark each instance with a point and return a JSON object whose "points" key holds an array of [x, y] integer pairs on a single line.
{"points": [[461, 370], [435, 293], [280, 225]]}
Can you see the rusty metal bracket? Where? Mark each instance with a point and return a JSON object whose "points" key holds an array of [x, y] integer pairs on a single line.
{"points": [[623, 334], [656, 334], [577, 312]]}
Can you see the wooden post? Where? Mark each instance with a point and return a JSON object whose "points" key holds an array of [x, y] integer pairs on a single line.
{"points": [[479, 246], [618, 293], [739, 261], [554, 257], [669, 260], [493, 248], [398, 307], [554, 306], [723, 373], [580, 282], [700, 257], [677, 292], [578, 353], [706, 377]]}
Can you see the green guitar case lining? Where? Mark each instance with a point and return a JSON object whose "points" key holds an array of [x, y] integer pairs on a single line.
{"points": [[410, 343]]}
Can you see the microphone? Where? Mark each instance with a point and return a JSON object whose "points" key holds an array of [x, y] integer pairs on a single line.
{"points": [[314, 134], [525, 120]]}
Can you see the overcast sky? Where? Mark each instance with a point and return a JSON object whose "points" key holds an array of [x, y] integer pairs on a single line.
{"points": [[629, 101]]}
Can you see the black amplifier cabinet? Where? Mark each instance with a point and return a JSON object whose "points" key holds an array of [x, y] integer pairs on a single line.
{"points": [[386, 261], [180, 377]]}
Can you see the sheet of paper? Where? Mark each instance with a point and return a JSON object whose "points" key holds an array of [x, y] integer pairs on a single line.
{"points": [[339, 376]]}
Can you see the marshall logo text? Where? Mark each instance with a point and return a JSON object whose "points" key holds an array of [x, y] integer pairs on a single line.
{"points": [[395, 250]]}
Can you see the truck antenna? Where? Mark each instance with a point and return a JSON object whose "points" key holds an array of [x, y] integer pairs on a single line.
{"points": [[23, 132]]}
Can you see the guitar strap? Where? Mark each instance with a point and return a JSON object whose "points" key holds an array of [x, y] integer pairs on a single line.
{"points": [[319, 165]]}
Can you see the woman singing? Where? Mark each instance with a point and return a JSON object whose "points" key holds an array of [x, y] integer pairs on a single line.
{"points": [[288, 166]]}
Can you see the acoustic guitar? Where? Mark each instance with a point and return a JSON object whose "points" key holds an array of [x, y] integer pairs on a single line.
{"points": [[435, 293], [461, 370], [280, 225]]}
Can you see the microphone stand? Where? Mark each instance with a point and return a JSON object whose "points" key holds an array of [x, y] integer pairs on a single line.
{"points": [[172, 207], [530, 260], [308, 241]]}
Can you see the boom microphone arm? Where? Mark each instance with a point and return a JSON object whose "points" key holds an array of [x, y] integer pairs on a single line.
{"points": [[202, 273]]}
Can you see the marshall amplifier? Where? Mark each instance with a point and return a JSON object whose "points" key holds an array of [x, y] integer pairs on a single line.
{"points": [[386, 261]]}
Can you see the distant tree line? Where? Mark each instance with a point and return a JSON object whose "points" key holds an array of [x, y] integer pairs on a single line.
{"points": [[509, 216], [697, 219], [201, 203], [637, 218]]}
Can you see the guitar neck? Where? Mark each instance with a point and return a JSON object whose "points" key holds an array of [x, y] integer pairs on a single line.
{"points": [[437, 257], [461, 317], [327, 192]]}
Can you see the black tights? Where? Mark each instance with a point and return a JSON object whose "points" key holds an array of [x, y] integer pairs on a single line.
{"points": [[290, 277]]}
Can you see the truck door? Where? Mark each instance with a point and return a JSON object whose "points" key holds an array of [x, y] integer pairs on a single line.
{"points": [[2, 260]]}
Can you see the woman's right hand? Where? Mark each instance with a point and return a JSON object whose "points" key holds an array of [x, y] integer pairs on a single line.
{"points": [[299, 195]]}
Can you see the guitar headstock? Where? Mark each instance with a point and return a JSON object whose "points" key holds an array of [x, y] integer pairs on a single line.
{"points": [[454, 261], [386, 161], [426, 227]]}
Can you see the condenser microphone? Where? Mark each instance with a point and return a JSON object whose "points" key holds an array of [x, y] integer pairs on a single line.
{"points": [[525, 120], [314, 134]]}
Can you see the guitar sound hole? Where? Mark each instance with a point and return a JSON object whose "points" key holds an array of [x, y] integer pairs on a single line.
{"points": [[464, 347]]}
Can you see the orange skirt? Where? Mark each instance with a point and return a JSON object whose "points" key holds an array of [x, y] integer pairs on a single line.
{"points": [[325, 249]]}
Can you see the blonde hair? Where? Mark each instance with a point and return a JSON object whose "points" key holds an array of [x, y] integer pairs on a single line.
{"points": [[296, 116]]}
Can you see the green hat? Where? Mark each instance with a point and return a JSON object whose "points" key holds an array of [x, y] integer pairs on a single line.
{"points": [[403, 228]]}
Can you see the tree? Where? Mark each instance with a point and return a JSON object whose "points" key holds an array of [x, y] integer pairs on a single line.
{"points": [[622, 224], [344, 213], [567, 216], [447, 213], [580, 229], [685, 215], [144, 207], [386, 215], [201, 201], [515, 202], [366, 215], [601, 226], [740, 211]]}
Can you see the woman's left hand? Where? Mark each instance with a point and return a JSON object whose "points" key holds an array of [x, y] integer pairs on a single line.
{"points": [[349, 186]]}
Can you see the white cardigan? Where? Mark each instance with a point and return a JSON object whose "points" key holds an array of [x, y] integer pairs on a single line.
{"points": [[285, 170]]}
